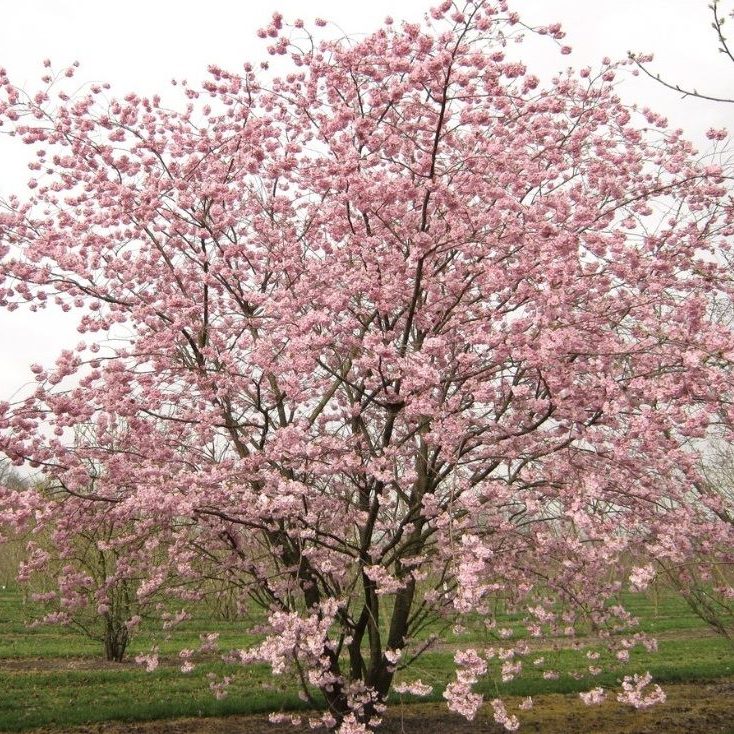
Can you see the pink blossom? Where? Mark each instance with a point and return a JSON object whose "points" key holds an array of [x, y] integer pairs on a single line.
{"points": [[633, 692], [393, 656], [717, 134], [508, 721], [594, 696], [218, 686], [150, 660], [416, 687]]}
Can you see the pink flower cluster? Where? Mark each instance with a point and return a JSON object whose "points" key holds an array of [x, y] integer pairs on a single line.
{"points": [[634, 694], [469, 667]]}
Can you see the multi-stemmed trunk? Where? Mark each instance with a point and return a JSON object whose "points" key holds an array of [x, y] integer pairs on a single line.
{"points": [[116, 638], [377, 672]]}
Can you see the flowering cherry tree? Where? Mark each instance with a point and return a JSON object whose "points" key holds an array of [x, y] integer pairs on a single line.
{"points": [[402, 334], [89, 567]]}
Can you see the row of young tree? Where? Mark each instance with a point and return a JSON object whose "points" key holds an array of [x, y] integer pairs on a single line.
{"points": [[397, 336]]}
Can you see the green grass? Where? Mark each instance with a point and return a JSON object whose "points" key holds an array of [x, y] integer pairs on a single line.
{"points": [[67, 697], [18, 639], [49, 676]]}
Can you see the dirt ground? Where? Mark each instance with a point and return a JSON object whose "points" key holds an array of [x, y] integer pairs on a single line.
{"points": [[706, 708]]}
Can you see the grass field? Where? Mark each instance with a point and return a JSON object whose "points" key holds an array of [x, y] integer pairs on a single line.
{"points": [[50, 677]]}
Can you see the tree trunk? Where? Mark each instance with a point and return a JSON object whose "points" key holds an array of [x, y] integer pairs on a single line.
{"points": [[116, 639]]}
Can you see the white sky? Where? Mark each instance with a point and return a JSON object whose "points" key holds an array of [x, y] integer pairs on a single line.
{"points": [[139, 45]]}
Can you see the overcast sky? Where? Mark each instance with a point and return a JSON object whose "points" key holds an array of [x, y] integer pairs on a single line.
{"points": [[141, 45]]}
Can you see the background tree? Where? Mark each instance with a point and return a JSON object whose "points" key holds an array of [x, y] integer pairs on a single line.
{"points": [[91, 571], [90, 563], [402, 334], [11, 549], [706, 580]]}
